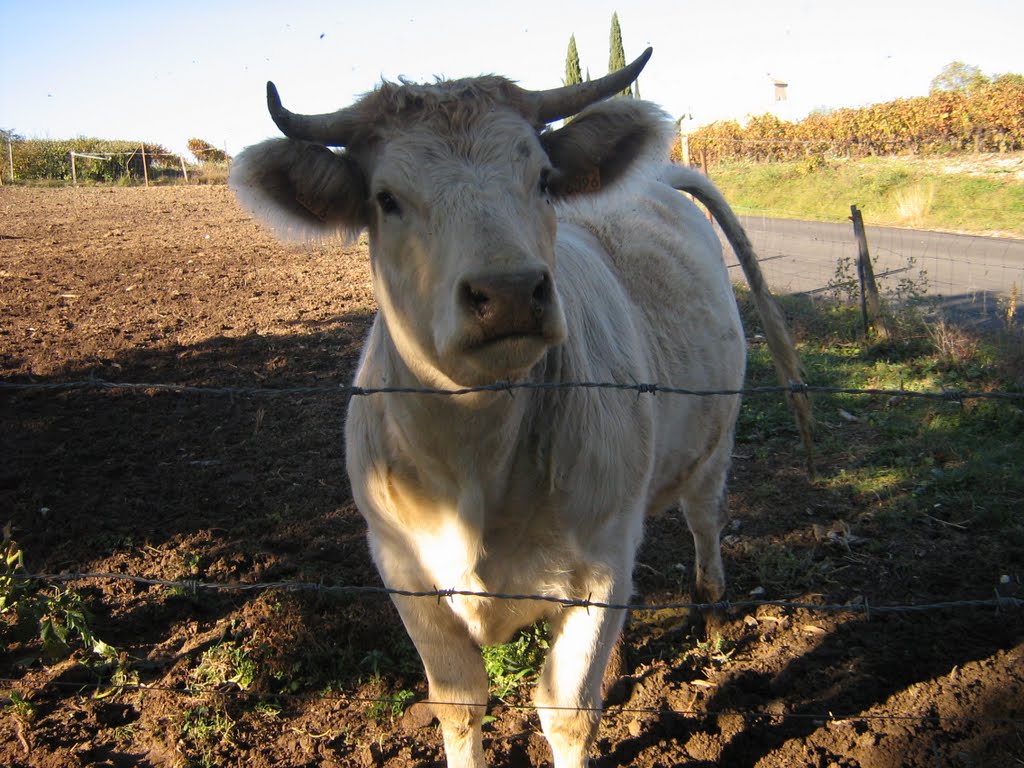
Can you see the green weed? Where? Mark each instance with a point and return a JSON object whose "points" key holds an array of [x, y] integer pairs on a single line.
{"points": [[20, 708], [203, 729], [514, 664], [226, 664], [390, 707], [56, 615]]}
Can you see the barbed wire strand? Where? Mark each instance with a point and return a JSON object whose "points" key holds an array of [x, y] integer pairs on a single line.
{"points": [[350, 390], [347, 698], [195, 586]]}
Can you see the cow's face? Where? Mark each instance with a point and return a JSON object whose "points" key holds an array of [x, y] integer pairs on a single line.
{"points": [[462, 234], [456, 189]]}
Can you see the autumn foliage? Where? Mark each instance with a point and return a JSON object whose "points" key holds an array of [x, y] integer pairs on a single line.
{"points": [[989, 118]]}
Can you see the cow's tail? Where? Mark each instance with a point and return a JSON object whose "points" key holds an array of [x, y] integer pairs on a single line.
{"points": [[780, 343]]}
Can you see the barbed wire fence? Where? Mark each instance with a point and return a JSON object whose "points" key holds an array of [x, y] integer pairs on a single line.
{"points": [[753, 716], [859, 608], [352, 698], [864, 609], [345, 390], [195, 587], [350, 390]]}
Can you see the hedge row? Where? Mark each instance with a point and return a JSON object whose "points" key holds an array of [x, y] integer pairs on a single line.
{"points": [[989, 118], [47, 159]]}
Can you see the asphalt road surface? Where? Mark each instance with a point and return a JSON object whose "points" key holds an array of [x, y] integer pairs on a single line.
{"points": [[968, 276]]}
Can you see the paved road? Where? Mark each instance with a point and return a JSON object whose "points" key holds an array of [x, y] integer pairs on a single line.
{"points": [[965, 273]]}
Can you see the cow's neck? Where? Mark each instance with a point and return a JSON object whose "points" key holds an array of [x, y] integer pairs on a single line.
{"points": [[464, 438]]}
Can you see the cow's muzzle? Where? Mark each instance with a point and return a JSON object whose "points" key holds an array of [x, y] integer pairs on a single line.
{"points": [[509, 304]]}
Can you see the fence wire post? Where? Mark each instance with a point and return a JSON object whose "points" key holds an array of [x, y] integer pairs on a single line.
{"points": [[10, 156], [145, 170], [870, 304]]}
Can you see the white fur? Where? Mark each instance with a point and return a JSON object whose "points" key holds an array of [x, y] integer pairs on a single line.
{"points": [[543, 492]]}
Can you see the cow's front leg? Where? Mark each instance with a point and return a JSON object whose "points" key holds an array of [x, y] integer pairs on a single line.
{"points": [[569, 692], [456, 676]]}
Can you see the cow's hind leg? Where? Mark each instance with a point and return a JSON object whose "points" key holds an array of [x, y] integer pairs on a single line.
{"points": [[703, 503]]}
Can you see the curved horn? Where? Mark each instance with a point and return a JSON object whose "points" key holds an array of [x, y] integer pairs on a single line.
{"points": [[567, 101], [332, 130]]}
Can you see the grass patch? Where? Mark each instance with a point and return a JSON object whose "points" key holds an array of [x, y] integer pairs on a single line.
{"points": [[957, 461], [204, 729], [891, 191]]}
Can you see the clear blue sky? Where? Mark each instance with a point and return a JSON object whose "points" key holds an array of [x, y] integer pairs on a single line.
{"points": [[167, 71]]}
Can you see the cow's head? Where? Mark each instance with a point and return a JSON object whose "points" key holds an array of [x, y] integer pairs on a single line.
{"points": [[455, 182]]}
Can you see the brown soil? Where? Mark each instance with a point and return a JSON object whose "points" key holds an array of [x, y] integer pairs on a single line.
{"points": [[177, 285]]}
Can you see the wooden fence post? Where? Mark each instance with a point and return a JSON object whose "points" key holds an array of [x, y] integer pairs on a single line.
{"points": [[145, 171], [704, 169], [74, 176], [870, 304], [10, 157]]}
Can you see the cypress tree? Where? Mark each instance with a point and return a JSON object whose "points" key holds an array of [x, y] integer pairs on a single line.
{"points": [[617, 55], [572, 64]]}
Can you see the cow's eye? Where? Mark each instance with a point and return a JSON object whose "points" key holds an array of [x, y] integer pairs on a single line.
{"points": [[388, 204], [545, 182]]}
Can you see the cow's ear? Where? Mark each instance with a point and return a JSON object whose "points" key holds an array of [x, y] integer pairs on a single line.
{"points": [[595, 148], [302, 190]]}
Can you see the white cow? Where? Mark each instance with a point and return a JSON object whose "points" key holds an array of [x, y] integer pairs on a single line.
{"points": [[503, 250]]}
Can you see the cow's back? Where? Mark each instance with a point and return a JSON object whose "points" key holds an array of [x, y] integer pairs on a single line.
{"points": [[667, 261]]}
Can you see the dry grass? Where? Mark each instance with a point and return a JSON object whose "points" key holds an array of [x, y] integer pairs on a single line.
{"points": [[914, 204]]}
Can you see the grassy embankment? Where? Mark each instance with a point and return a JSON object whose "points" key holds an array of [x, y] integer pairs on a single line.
{"points": [[981, 194], [924, 459]]}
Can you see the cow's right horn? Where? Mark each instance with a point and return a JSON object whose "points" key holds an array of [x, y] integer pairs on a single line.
{"points": [[558, 103], [333, 130]]}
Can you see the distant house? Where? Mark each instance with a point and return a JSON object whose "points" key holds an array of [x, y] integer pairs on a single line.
{"points": [[778, 103]]}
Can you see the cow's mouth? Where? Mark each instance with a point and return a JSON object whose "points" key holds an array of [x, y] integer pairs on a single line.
{"points": [[507, 356], [494, 341]]}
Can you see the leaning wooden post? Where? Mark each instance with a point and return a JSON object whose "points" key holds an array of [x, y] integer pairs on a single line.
{"points": [[704, 168], [870, 304], [183, 171], [74, 176], [145, 171]]}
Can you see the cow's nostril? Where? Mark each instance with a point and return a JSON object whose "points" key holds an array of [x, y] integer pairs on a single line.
{"points": [[541, 295], [476, 300]]}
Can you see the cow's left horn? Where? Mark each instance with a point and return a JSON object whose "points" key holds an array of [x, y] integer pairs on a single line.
{"points": [[332, 130], [567, 101]]}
